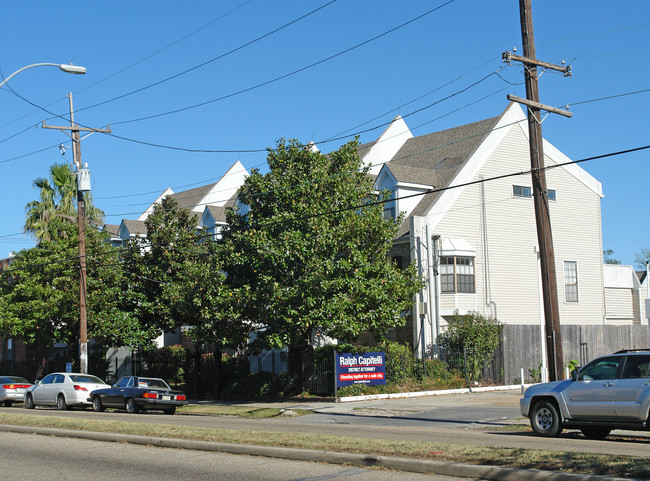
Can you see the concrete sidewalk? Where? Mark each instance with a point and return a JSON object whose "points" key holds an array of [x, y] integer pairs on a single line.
{"points": [[493, 396]]}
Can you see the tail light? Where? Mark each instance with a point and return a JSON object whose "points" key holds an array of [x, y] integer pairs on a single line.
{"points": [[181, 397], [16, 386], [77, 387], [150, 395]]}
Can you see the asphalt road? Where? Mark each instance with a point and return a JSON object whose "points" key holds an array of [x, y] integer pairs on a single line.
{"points": [[484, 419], [29, 456]]}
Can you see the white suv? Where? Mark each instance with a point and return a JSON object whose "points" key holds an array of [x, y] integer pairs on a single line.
{"points": [[611, 392]]}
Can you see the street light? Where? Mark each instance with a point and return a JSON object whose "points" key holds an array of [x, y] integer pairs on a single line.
{"points": [[75, 69], [78, 70]]}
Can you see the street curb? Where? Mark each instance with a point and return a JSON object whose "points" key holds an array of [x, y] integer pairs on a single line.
{"points": [[397, 395], [412, 465]]}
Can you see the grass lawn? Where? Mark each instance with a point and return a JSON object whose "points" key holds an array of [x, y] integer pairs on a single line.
{"points": [[570, 462]]}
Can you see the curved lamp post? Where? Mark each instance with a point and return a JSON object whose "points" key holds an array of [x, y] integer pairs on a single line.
{"points": [[75, 69]]}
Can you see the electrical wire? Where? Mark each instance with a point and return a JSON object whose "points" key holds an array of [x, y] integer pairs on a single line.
{"points": [[131, 65], [204, 63], [346, 209], [281, 77]]}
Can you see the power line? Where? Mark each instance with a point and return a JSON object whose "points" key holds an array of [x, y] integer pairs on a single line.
{"points": [[247, 44], [131, 65], [232, 10], [302, 69], [351, 208]]}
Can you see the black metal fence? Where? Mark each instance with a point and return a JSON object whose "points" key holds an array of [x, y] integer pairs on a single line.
{"points": [[476, 367]]}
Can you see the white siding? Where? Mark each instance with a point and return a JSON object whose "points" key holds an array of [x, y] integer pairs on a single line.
{"points": [[508, 238], [619, 305]]}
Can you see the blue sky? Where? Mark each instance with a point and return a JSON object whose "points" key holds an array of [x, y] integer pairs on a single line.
{"points": [[147, 59]]}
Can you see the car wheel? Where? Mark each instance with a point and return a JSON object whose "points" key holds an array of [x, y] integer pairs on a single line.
{"points": [[29, 402], [595, 432], [60, 403], [170, 411], [98, 407], [131, 406], [545, 420]]}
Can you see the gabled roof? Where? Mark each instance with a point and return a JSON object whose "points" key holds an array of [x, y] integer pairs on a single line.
{"points": [[216, 194], [193, 198], [218, 213], [435, 159], [135, 227], [641, 275], [112, 229], [454, 157]]}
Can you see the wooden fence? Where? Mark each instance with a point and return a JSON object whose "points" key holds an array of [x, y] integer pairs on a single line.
{"points": [[522, 348]]}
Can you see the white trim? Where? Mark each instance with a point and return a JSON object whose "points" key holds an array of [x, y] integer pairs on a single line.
{"points": [[508, 120], [387, 145]]}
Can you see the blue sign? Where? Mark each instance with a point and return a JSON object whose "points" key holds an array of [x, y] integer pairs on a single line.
{"points": [[360, 368]]}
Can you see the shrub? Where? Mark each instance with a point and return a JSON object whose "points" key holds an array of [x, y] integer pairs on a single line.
{"points": [[476, 335]]}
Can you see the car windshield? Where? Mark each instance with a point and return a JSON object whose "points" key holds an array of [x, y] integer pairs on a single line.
{"points": [[149, 382], [14, 379], [86, 378]]}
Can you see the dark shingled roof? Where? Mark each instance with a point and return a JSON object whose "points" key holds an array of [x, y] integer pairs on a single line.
{"points": [[135, 226], [641, 275], [189, 199], [112, 229], [435, 159], [219, 213]]}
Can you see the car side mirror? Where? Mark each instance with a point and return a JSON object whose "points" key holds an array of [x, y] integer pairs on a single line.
{"points": [[574, 375], [37, 382]]}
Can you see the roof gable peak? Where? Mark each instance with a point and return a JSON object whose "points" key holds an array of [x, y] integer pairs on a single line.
{"points": [[387, 145]]}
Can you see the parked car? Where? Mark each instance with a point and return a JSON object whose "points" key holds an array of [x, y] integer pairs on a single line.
{"points": [[63, 390], [611, 392], [12, 389], [134, 393]]}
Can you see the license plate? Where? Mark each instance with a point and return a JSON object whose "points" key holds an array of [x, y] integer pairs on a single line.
{"points": [[166, 398]]}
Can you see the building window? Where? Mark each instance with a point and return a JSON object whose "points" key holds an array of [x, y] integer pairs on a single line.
{"points": [[570, 281], [523, 191], [389, 207], [457, 274]]}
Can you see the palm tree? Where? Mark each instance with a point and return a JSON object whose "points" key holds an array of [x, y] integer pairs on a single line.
{"points": [[57, 199]]}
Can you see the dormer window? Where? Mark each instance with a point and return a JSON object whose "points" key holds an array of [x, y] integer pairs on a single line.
{"points": [[389, 207]]}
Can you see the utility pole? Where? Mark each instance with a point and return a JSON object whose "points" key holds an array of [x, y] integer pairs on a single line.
{"points": [[542, 217], [83, 185]]}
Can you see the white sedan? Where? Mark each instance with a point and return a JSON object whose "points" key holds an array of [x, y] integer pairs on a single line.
{"points": [[63, 389]]}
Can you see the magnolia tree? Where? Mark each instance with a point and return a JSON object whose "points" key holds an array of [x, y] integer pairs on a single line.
{"points": [[309, 251]]}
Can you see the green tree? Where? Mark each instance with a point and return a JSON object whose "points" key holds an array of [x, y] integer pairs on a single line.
{"points": [[607, 257], [474, 335], [641, 258], [57, 198], [177, 279], [309, 251], [39, 294]]}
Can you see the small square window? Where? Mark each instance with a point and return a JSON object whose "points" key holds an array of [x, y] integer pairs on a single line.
{"points": [[521, 191]]}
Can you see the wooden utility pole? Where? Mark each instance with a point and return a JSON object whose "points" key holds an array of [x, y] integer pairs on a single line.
{"points": [[83, 185], [542, 216]]}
